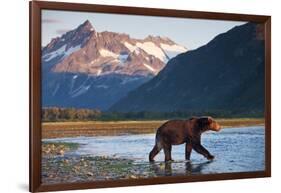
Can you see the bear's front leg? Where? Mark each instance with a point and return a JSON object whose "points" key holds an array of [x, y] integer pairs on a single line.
{"points": [[188, 149], [200, 149]]}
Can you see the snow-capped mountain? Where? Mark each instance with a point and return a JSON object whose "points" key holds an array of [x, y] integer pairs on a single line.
{"points": [[74, 65], [84, 50]]}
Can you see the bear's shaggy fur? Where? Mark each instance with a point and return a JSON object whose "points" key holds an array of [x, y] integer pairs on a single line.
{"points": [[175, 132]]}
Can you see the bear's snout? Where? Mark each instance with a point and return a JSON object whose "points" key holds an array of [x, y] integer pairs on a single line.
{"points": [[216, 127]]}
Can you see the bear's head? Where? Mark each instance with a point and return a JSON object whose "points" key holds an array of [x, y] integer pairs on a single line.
{"points": [[208, 123]]}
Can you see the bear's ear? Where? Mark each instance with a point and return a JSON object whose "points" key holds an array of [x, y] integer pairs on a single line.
{"points": [[210, 120], [193, 117]]}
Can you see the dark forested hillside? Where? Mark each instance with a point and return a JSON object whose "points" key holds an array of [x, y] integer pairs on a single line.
{"points": [[225, 74]]}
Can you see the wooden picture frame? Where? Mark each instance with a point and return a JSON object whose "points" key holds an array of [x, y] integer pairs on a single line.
{"points": [[35, 93]]}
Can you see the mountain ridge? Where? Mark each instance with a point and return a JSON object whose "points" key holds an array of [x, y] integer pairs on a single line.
{"points": [[84, 68], [225, 74], [119, 53]]}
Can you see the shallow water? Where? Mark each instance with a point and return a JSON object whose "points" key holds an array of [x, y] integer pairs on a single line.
{"points": [[235, 150]]}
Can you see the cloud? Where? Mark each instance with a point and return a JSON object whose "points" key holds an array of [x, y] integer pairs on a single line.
{"points": [[51, 21], [62, 31]]}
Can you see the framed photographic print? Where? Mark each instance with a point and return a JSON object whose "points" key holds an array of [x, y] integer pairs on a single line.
{"points": [[124, 96]]}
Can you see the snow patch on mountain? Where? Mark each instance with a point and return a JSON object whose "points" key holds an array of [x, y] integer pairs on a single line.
{"points": [[61, 52], [56, 90], [149, 67], [172, 50], [164, 52], [137, 51], [99, 72], [130, 46], [107, 53], [174, 47], [71, 50], [82, 90], [152, 49], [54, 54]]}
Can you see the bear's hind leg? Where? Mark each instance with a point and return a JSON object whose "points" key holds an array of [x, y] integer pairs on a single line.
{"points": [[156, 149]]}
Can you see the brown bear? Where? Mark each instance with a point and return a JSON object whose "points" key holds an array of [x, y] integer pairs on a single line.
{"points": [[176, 132]]}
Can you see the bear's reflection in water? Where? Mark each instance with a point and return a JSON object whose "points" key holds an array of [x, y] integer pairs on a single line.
{"points": [[172, 168]]}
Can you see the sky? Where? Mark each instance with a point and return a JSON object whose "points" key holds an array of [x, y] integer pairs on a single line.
{"points": [[191, 33]]}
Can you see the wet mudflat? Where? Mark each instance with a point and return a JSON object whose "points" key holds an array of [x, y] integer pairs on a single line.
{"points": [[81, 159]]}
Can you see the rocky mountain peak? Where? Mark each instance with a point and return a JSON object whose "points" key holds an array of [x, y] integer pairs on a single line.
{"points": [[71, 41], [85, 68], [159, 39], [83, 50], [86, 27]]}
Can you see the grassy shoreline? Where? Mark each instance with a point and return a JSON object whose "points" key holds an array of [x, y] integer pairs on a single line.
{"points": [[105, 128]]}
